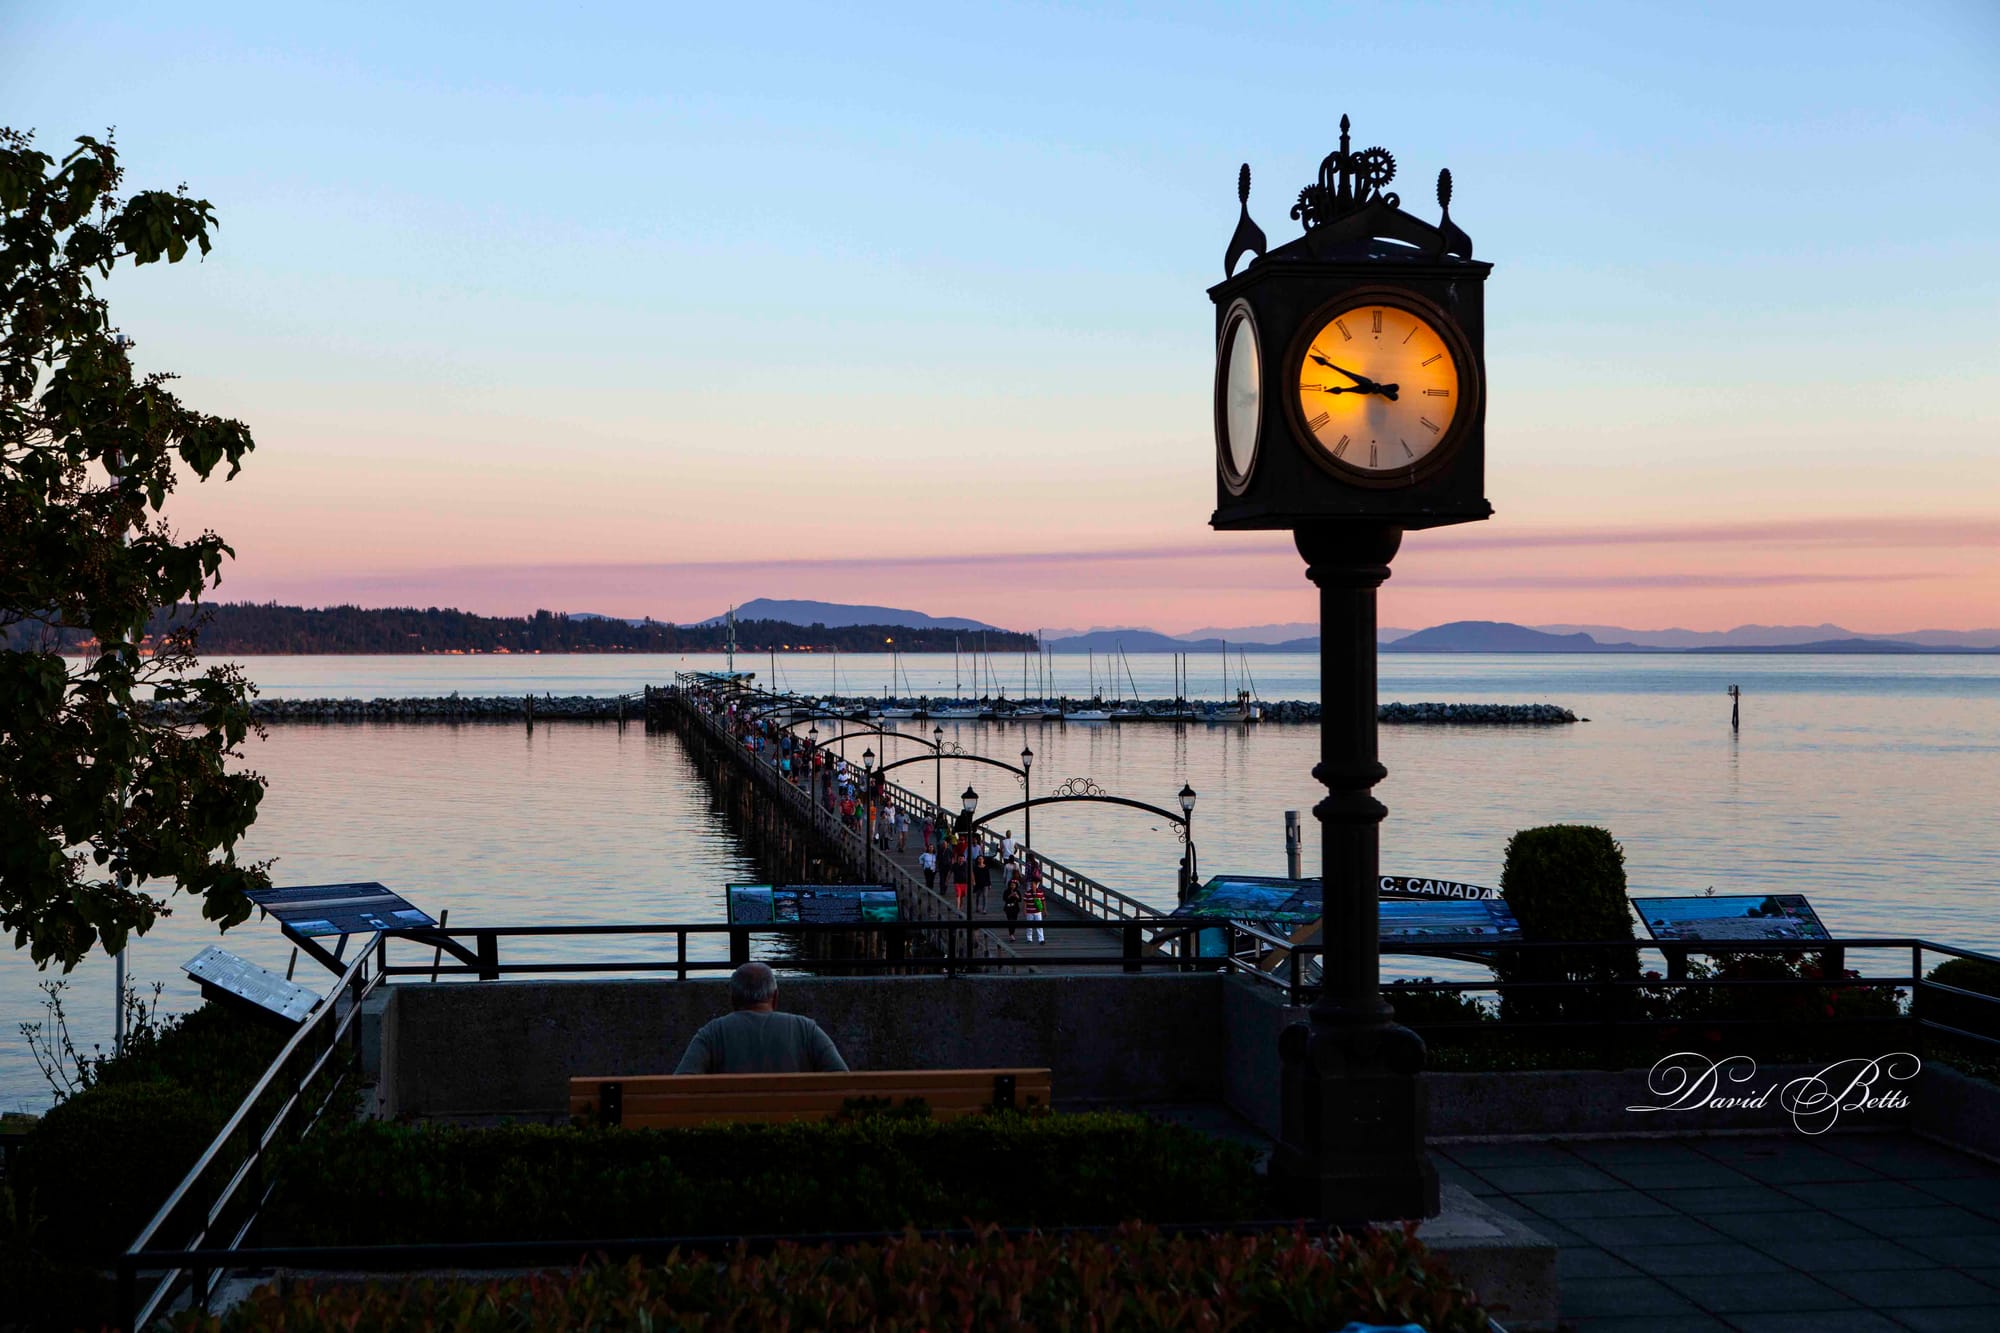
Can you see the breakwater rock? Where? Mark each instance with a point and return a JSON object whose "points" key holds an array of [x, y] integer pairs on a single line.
{"points": [[631, 708], [454, 708], [1482, 715]]}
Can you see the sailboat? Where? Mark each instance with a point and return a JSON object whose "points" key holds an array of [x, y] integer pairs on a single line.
{"points": [[893, 707], [1134, 711], [1096, 712], [954, 709]]}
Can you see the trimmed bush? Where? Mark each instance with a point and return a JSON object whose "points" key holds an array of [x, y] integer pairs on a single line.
{"points": [[1133, 1281], [378, 1183], [1566, 882]]}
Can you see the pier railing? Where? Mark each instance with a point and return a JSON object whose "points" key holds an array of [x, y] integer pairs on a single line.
{"points": [[1090, 897]]}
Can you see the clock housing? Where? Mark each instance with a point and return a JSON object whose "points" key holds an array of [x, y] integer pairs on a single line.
{"points": [[1359, 247]]}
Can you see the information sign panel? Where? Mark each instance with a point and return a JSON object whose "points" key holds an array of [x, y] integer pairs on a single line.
{"points": [[1740, 916], [1447, 921], [813, 904], [1253, 898], [340, 909], [219, 970], [1416, 886]]}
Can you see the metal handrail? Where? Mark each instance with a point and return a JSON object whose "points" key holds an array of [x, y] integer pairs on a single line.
{"points": [[332, 1018], [1087, 895]]}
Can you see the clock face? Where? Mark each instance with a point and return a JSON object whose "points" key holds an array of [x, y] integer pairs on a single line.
{"points": [[1239, 398], [1380, 387]]}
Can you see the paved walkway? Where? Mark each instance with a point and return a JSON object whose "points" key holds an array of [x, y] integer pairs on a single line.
{"points": [[1875, 1233]]}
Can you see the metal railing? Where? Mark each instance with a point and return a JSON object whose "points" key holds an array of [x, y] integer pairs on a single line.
{"points": [[949, 946], [1628, 1000], [223, 1193], [1088, 896]]}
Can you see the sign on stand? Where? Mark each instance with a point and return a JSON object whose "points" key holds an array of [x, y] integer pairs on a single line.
{"points": [[227, 978], [822, 904]]}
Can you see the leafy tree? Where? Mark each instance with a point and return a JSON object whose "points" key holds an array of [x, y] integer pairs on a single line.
{"points": [[103, 806]]}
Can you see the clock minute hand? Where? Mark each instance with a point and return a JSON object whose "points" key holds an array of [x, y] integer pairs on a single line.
{"points": [[1362, 382]]}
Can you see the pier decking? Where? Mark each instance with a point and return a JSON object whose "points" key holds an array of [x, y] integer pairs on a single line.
{"points": [[805, 832]]}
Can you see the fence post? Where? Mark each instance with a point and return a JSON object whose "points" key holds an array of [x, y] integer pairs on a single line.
{"points": [[489, 955], [1130, 934]]}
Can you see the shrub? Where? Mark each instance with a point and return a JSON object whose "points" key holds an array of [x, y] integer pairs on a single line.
{"points": [[1978, 975], [1566, 882], [374, 1182], [1136, 1279], [100, 1164], [1427, 1008]]}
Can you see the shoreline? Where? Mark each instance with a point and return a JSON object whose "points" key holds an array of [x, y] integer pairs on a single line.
{"points": [[546, 707]]}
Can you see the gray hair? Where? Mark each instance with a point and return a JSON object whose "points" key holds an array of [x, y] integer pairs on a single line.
{"points": [[752, 984]]}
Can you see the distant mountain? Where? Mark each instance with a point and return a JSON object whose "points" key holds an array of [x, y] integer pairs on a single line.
{"points": [[1151, 641], [1893, 647], [1494, 636], [1763, 636], [1296, 629], [840, 615]]}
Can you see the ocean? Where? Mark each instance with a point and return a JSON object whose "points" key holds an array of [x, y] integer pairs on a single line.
{"points": [[1869, 784]]}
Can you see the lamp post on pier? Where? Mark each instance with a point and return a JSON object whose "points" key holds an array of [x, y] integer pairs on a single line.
{"points": [[1187, 834], [1027, 794], [967, 804], [937, 773], [868, 808]]}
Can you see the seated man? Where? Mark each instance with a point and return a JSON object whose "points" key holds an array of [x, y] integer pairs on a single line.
{"points": [[756, 1040]]}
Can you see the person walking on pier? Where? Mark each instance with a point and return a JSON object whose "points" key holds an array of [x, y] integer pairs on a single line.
{"points": [[755, 1039], [982, 881], [1035, 903], [902, 830], [928, 863], [1007, 845], [1010, 903]]}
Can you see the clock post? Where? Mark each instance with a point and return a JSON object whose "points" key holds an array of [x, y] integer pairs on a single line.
{"points": [[1349, 410]]}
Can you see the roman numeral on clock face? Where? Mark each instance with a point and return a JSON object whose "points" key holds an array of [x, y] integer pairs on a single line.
{"points": [[1375, 316], [1432, 424], [1408, 452], [1371, 456], [1436, 356], [1319, 421], [1345, 336], [1437, 393], [1340, 450]]}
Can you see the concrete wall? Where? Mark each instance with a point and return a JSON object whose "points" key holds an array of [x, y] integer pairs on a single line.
{"points": [[1253, 1014], [509, 1049]]}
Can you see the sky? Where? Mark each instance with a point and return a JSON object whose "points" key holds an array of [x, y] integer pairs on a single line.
{"points": [[649, 309]]}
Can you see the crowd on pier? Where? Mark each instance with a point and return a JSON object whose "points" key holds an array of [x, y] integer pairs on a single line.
{"points": [[950, 853]]}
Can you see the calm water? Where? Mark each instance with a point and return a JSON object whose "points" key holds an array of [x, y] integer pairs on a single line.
{"points": [[1868, 783]]}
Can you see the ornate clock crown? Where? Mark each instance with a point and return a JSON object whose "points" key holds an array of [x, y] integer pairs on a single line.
{"points": [[1347, 207]]}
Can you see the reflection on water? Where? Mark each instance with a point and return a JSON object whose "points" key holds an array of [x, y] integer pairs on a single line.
{"points": [[1867, 785]]}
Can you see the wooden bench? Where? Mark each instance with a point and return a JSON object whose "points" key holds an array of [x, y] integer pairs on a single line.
{"points": [[669, 1101]]}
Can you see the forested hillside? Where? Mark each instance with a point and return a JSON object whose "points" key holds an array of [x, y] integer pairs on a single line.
{"points": [[244, 628]]}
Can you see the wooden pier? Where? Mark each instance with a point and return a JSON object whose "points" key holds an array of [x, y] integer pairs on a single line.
{"points": [[796, 834]]}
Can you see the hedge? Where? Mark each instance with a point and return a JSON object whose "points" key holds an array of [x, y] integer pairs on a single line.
{"points": [[379, 1183], [1134, 1280]]}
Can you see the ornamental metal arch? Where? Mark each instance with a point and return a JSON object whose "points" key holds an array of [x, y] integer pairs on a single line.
{"points": [[878, 731], [966, 755], [1179, 821]]}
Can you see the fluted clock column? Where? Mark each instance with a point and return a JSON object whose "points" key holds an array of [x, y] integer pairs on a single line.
{"points": [[1354, 1109]]}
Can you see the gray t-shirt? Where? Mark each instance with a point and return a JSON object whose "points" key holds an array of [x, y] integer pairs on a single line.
{"points": [[750, 1041]]}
